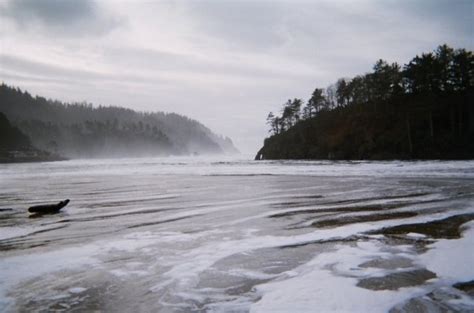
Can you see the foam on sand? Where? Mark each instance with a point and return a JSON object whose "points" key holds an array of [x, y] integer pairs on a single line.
{"points": [[328, 283], [452, 260]]}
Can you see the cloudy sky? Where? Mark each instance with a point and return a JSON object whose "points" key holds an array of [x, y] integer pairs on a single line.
{"points": [[224, 63]]}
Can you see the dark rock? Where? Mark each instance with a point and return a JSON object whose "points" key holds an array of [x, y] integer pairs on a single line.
{"points": [[449, 228], [397, 280], [467, 287], [48, 208]]}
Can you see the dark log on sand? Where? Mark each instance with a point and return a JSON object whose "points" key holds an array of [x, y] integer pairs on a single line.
{"points": [[48, 208]]}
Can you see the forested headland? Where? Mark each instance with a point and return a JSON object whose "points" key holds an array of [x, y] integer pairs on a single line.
{"points": [[15, 146], [83, 130], [423, 110]]}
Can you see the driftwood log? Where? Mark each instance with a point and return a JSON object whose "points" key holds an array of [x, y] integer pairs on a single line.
{"points": [[48, 208]]}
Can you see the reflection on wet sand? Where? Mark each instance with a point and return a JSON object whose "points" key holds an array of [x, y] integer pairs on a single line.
{"points": [[235, 241]]}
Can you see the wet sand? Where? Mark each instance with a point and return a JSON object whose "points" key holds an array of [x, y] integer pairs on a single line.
{"points": [[237, 238]]}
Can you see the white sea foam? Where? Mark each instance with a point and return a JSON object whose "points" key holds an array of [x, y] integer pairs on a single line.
{"points": [[16, 269], [244, 166], [416, 235], [7, 232], [185, 272], [198, 224], [452, 260], [328, 284], [77, 289]]}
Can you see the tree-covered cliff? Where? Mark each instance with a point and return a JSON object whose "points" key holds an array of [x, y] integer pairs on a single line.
{"points": [[15, 146], [81, 130], [424, 110]]}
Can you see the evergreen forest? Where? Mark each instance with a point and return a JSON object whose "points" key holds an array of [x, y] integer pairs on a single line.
{"points": [[81, 130], [422, 110]]}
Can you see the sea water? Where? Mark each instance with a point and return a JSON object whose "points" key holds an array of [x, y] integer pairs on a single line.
{"points": [[228, 234]]}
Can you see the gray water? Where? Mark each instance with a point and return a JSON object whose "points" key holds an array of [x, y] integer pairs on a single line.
{"points": [[233, 235]]}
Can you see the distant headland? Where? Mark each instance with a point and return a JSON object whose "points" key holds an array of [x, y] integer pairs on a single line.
{"points": [[15, 146], [40, 129]]}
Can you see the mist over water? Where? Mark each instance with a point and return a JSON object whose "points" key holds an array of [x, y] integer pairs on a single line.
{"points": [[190, 234]]}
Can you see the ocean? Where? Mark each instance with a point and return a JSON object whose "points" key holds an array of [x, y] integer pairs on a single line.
{"points": [[229, 234]]}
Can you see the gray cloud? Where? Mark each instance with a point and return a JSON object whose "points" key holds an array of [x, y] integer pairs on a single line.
{"points": [[257, 25], [303, 27], [225, 63], [30, 70], [68, 17], [51, 11], [454, 15], [148, 59]]}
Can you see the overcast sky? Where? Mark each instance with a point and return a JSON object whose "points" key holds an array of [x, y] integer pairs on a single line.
{"points": [[224, 63]]}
